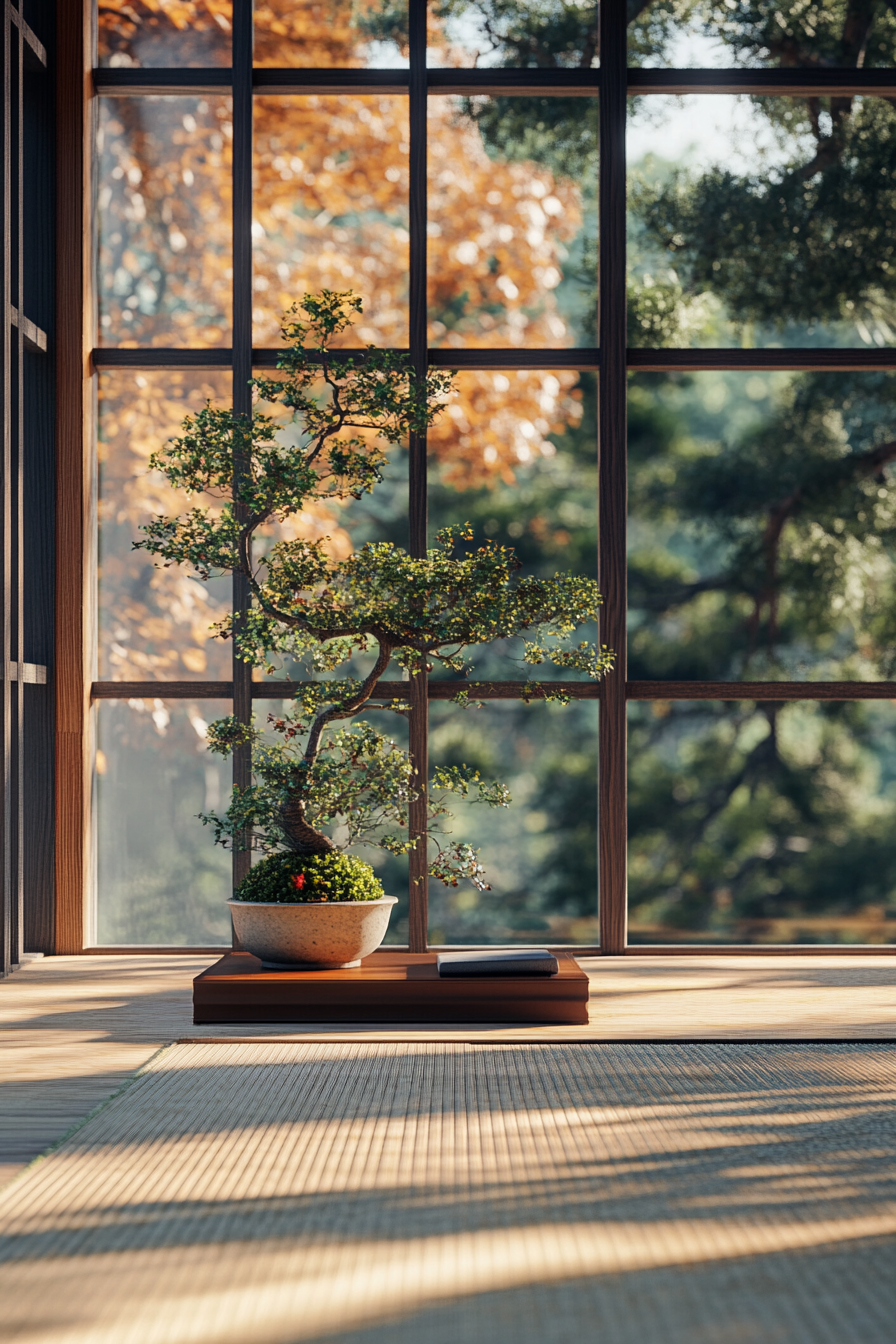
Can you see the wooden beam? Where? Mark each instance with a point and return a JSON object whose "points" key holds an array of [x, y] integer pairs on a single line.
{"points": [[829, 359], [833, 359], [385, 690], [761, 690], [612, 487], [782, 82], [417, 694], [73, 480]]}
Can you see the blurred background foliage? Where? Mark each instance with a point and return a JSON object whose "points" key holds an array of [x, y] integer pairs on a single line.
{"points": [[762, 522], [761, 533]]}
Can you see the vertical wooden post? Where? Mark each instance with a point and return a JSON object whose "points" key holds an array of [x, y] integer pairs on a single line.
{"points": [[418, 916], [71, 673], [242, 356], [612, 485]]}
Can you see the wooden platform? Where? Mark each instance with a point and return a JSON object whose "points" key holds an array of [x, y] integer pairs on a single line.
{"points": [[387, 987]]}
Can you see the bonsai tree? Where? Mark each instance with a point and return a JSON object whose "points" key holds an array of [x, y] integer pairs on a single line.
{"points": [[323, 778]]}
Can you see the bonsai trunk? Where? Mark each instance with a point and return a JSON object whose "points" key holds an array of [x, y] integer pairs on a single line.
{"points": [[301, 837]]}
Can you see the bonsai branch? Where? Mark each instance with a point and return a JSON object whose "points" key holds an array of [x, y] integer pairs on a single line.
{"points": [[346, 708]]}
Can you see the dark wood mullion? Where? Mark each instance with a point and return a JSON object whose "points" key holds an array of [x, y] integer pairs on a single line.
{"points": [[612, 503], [178, 81], [242, 355], [507, 690], [781, 82], [832, 359], [761, 690], [288, 80], [418, 719], [385, 690], [165, 690], [307, 80], [585, 360]]}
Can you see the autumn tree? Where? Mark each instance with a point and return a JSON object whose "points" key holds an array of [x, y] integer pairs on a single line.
{"points": [[331, 211]]}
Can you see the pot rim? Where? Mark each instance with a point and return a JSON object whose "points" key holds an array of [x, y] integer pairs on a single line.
{"points": [[317, 905]]}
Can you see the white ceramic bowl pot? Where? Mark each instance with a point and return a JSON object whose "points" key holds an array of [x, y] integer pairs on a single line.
{"points": [[326, 935]]}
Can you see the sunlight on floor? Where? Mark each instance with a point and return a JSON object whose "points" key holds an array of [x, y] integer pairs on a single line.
{"points": [[279, 1192]]}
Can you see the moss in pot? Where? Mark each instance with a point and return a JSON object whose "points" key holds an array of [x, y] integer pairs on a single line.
{"points": [[298, 930], [314, 779]]}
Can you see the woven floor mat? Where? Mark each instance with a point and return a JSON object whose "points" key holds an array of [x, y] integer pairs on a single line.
{"points": [[631, 1194]]}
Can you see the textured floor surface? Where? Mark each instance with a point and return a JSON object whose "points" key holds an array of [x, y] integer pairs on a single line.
{"points": [[361, 1193], [74, 1028]]}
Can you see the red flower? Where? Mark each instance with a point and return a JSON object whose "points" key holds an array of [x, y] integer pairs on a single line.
{"points": [[299, 881]]}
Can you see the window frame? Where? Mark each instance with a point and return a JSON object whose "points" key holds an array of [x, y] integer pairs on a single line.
{"points": [[611, 84]]}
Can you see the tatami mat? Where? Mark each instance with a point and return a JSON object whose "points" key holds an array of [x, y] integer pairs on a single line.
{"points": [[75, 1028], [634, 1194]]}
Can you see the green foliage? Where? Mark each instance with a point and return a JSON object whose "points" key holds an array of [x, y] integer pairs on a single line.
{"points": [[794, 32], [359, 783], [762, 531], [425, 610], [310, 879], [761, 508], [772, 551], [810, 242], [746, 814], [359, 779], [345, 410], [769, 32], [354, 782], [558, 132], [553, 33]]}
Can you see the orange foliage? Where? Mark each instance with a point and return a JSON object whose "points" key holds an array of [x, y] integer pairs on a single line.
{"points": [[164, 32], [165, 271], [330, 211], [154, 623]]}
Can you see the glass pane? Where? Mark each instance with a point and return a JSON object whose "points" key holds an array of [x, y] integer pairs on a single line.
{"points": [[164, 32], [540, 854], [331, 210], [761, 222], [160, 877], [391, 870], [164, 267], [762, 823], [370, 34], [153, 623], [512, 221], [515, 455], [760, 33], [485, 33], [763, 534]]}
